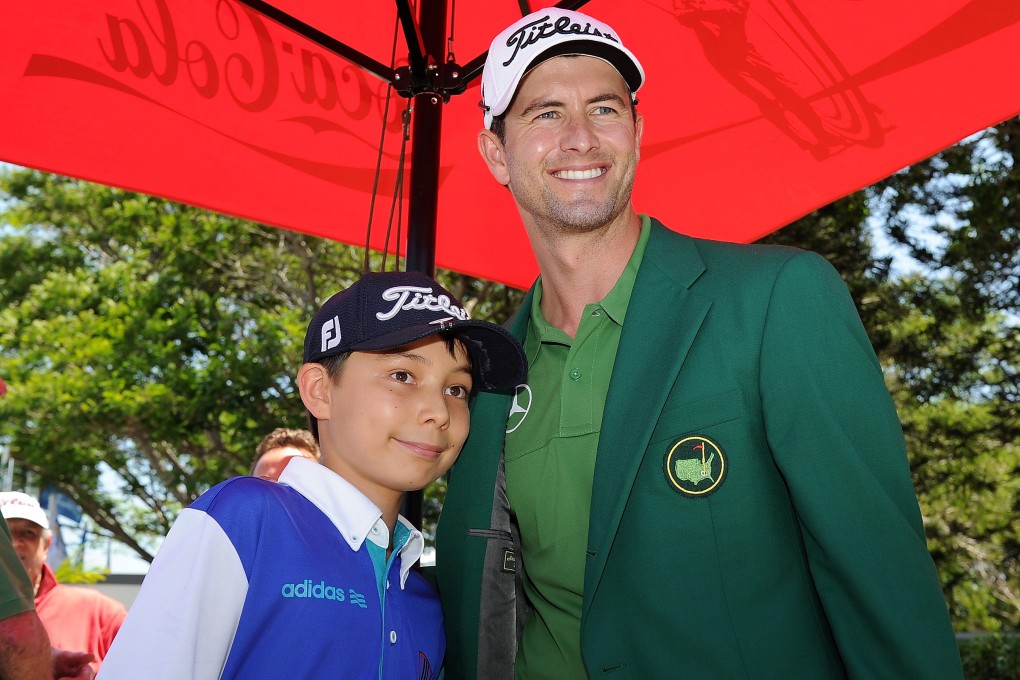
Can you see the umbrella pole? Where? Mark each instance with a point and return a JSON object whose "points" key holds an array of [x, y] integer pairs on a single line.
{"points": [[424, 192]]}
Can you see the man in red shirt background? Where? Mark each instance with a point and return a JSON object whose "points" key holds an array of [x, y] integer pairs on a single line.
{"points": [[74, 617]]}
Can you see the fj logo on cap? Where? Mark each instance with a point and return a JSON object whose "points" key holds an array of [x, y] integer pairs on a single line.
{"points": [[330, 333], [695, 466]]}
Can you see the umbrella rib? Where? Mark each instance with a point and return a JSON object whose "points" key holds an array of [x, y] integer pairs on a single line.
{"points": [[321, 39], [566, 4], [397, 205], [416, 53], [378, 166]]}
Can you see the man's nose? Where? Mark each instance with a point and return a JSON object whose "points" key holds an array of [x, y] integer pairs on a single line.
{"points": [[579, 135]]}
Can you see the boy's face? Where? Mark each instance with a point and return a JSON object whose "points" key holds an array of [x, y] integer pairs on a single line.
{"points": [[397, 420]]}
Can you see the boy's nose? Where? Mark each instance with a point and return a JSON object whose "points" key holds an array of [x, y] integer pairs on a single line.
{"points": [[434, 409]]}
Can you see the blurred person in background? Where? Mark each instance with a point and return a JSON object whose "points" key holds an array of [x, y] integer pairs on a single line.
{"points": [[25, 652], [278, 447], [74, 617]]}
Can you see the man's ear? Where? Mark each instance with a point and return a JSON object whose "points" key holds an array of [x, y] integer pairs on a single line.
{"points": [[494, 156], [315, 387], [639, 131]]}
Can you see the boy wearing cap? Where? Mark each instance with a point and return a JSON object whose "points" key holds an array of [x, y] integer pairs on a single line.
{"points": [[311, 577], [704, 476]]}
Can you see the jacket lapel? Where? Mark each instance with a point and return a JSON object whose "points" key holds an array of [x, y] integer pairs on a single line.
{"points": [[482, 457], [489, 414], [663, 319]]}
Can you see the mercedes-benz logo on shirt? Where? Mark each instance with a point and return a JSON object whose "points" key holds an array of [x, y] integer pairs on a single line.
{"points": [[519, 409]]}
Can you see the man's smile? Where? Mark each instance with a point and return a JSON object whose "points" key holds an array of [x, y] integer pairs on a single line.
{"points": [[590, 173]]}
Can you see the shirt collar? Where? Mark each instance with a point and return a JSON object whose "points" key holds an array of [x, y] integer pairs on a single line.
{"points": [[47, 582], [352, 513], [614, 303]]}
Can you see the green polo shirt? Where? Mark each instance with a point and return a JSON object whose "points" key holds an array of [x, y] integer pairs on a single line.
{"points": [[550, 465]]}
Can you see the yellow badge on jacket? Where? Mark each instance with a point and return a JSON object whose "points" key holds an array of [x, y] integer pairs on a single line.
{"points": [[695, 466]]}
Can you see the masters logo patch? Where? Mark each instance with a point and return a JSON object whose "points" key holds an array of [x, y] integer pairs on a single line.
{"points": [[695, 466]]}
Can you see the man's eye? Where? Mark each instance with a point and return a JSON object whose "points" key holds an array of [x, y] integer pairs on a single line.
{"points": [[604, 110], [546, 115]]}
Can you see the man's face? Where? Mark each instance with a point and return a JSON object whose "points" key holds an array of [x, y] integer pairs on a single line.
{"points": [[271, 464], [31, 543], [571, 146], [397, 420]]}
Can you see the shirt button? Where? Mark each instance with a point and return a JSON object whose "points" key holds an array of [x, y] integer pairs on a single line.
{"points": [[575, 374], [375, 530], [596, 313], [393, 637], [387, 585]]}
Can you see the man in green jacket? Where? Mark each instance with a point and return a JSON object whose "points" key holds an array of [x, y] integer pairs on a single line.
{"points": [[704, 476]]}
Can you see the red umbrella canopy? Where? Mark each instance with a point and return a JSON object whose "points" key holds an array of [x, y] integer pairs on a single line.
{"points": [[756, 111]]}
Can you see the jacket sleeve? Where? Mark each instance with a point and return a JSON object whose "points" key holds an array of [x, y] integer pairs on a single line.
{"points": [[182, 623], [836, 439]]}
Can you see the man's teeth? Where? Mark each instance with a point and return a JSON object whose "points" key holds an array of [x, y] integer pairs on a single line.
{"points": [[579, 174]]}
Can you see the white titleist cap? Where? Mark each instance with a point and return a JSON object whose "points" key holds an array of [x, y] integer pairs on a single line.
{"points": [[542, 35], [17, 505]]}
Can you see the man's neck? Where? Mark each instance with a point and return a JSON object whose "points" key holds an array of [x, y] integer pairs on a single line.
{"points": [[580, 269], [39, 578]]}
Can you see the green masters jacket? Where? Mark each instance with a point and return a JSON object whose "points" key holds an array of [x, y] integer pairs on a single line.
{"points": [[752, 513]]}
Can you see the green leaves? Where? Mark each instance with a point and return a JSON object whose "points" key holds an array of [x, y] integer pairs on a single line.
{"points": [[153, 339]]}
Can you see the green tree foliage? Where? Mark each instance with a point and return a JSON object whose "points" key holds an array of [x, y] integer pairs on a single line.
{"points": [[69, 572], [956, 349], [968, 198], [151, 339], [991, 657]]}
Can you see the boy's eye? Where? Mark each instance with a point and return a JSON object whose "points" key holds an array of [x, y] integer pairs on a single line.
{"points": [[402, 377], [458, 391]]}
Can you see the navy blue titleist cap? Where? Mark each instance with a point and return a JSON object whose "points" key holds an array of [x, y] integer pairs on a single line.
{"points": [[384, 310]]}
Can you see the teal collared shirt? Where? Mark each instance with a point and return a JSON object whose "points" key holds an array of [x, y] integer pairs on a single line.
{"points": [[550, 465]]}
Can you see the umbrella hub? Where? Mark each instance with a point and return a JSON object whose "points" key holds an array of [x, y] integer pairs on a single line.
{"points": [[443, 80]]}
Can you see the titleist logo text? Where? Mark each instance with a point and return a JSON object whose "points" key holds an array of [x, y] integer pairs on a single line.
{"points": [[531, 33], [415, 297]]}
